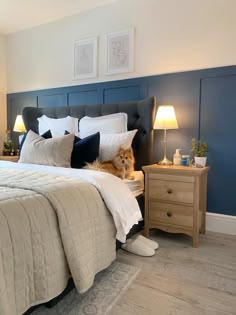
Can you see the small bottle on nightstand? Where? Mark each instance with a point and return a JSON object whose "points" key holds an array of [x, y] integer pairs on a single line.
{"points": [[177, 157]]}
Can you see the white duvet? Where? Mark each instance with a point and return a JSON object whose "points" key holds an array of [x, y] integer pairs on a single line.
{"points": [[116, 195]]}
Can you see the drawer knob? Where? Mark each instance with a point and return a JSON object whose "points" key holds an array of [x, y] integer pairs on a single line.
{"points": [[169, 214], [169, 191]]}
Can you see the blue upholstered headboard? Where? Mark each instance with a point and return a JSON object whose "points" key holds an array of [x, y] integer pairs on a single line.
{"points": [[141, 115]]}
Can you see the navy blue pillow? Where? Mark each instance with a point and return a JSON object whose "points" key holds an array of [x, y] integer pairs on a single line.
{"points": [[85, 150], [46, 135]]}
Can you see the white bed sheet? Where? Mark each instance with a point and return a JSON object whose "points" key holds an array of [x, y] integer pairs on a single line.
{"points": [[136, 186], [117, 196]]}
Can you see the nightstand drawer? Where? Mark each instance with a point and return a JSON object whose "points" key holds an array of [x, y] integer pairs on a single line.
{"points": [[171, 214], [171, 191], [174, 178]]}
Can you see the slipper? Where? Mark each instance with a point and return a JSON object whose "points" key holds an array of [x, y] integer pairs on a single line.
{"points": [[154, 245], [138, 247]]}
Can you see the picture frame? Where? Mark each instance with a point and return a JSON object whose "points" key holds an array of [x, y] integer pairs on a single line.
{"points": [[120, 52], [85, 58]]}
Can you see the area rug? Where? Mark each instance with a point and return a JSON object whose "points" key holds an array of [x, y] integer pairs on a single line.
{"points": [[109, 286]]}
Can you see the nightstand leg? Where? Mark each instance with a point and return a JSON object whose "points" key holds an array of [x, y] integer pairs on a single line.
{"points": [[195, 240], [203, 227], [146, 231]]}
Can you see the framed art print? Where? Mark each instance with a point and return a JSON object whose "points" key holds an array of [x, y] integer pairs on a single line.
{"points": [[120, 52], [85, 58]]}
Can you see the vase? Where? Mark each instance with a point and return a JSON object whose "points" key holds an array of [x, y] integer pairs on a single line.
{"points": [[200, 160]]}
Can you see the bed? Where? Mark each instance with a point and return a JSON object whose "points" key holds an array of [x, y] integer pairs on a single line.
{"points": [[56, 222]]}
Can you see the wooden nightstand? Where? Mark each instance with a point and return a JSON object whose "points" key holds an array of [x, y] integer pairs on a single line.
{"points": [[175, 199], [10, 158]]}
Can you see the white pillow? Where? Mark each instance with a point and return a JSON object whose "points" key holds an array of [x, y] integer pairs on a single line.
{"points": [[43, 126], [53, 151], [111, 143], [114, 123], [58, 126]]}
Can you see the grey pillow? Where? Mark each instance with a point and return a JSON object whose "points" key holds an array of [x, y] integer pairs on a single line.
{"points": [[54, 151]]}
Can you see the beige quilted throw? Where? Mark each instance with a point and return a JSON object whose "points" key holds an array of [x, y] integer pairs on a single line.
{"points": [[50, 227]]}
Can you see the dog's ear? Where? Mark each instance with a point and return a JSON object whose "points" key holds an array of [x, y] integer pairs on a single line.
{"points": [[121, 151]]}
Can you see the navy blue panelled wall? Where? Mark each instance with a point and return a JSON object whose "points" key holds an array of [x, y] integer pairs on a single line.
{"points": [[205, 104]]}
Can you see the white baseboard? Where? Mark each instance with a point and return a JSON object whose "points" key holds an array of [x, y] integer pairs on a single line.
{"points": [[221, 223]]}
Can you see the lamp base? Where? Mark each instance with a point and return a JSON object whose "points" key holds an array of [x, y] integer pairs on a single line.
{"points": [[165, 161]]}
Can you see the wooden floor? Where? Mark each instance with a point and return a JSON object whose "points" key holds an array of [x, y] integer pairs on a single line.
{"points": [[181, 280]]}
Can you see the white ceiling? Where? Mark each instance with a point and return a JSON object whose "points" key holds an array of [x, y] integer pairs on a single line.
{"points": [[17, 15]]}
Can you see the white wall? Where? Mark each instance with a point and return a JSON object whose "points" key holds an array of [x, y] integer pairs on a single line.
{"points": [[170, 36], [3, 88]]}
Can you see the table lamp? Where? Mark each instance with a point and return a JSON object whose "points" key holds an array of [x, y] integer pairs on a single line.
{"points": [[19, 127], [165, 119]]}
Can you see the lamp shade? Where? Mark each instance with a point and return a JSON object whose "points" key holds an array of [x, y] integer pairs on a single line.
{"points": [[165, 118], [19, 124]]}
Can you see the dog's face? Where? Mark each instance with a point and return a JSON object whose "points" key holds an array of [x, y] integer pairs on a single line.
{"points": [[124, 158]]}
